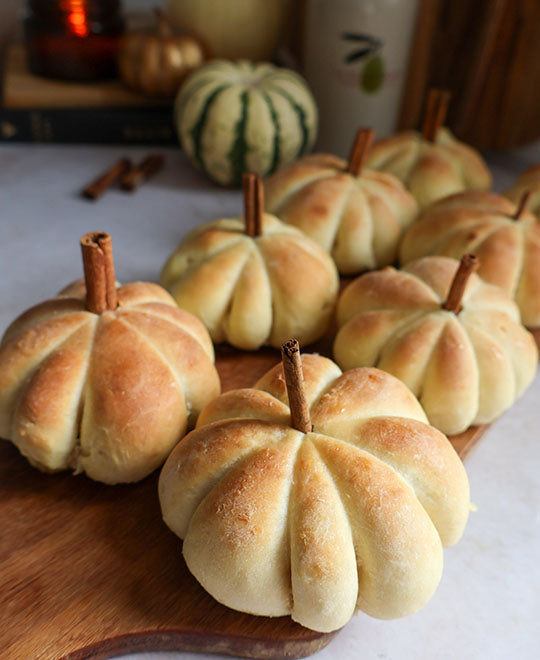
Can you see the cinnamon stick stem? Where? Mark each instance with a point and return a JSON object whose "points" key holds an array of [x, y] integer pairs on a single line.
{"points": [[359, 149], [467, 266], [98, 186], [294, 380], [99, 272], [523, 204], [253, 203], [136, 175], [436, 109]]}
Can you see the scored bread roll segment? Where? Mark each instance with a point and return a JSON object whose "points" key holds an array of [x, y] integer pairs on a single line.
{"points": [[353, 514], [466, 368], [104, 383]]}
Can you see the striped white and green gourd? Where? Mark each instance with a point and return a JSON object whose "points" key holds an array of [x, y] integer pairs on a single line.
{"points": [[236, 117]]}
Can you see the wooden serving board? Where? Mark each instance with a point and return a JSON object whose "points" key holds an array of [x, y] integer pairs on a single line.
{"points": [[91, 571]]}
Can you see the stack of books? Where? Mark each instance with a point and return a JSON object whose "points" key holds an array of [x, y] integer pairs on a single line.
{"points": [[36, 109]]}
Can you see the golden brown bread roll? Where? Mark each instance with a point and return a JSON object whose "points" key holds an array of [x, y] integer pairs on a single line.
{"points": [[483, 223], [430, 170], [465, 368], [358, 219], [351, 515], [106, 394], [527, 181], [253, 290]]}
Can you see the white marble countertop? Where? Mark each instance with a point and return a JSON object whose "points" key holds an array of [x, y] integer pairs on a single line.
{"points": [[488, 601]]}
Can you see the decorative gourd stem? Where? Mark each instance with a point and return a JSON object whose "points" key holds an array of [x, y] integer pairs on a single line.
{"points": [[467, 266], [294, 380], [357, 156], [523, 204], [99, 272], [437, 106], [253, 203]]}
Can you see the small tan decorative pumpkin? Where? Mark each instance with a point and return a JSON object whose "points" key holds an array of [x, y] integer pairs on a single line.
{"points": [[156, 64]]}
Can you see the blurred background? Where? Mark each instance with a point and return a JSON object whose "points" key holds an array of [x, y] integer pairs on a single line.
{"points": [[368, 62]]}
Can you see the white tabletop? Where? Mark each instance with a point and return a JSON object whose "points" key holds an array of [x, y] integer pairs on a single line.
{"points": [[487, 605]]}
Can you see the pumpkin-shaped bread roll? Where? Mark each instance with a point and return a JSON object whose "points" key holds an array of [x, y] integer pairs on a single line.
{"points": [[253, 280], [104, 385], [358, 215], [431, 164], [528, 181], [504, 236], [316, 520], [457, 343]]}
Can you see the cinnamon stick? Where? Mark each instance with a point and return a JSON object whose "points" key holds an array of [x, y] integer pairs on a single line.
{"points": [[437, 106], [136, 175], [253, 203], [98, 186], [523, 204], [359, 149], [99, 272], [467, 266], [294, 380]]}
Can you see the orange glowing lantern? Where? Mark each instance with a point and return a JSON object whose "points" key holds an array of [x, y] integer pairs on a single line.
{"points": [[73, 39]]}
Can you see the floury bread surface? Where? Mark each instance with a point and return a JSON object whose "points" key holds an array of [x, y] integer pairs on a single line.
{"points": [[430, 170], [358, 219], [508, 249], [254, 291], [466, 368], [354, 514], [106, 394]]}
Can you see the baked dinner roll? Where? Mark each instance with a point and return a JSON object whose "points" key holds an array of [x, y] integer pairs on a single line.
{"points": [[432, 163], [430, 170], [109, 393], [528, 181], [253, 287], [359, 217], [316, 523], [466, 359], [504, 236]]}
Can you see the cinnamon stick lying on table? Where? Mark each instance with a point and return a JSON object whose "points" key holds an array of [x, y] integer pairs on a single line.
{"points": [[136, 175], [98, 186]]}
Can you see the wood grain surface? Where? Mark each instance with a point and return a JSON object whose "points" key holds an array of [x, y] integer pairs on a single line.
{"points": [[91, 571]]}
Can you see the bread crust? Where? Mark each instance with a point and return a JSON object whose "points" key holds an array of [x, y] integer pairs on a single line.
{"points": [[466, 369], [351, 515], [430, 170], [254, 291], [482, 223], [358, 220], [109, 394]]}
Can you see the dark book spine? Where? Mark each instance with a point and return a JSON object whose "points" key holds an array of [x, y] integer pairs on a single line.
{"points": [[88, 125]]}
